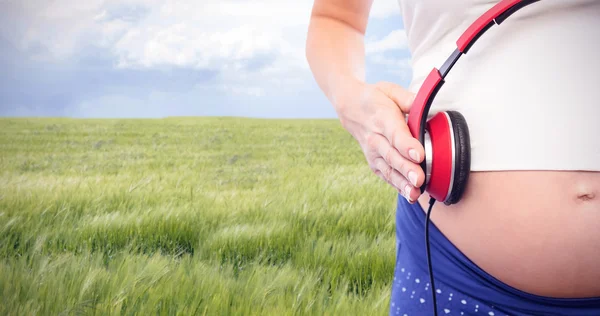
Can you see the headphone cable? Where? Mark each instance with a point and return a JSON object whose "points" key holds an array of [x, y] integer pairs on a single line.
{"points": [[431, 280]]}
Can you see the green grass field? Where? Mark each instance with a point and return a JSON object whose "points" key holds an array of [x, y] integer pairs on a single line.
{"points": [[207, 216]]}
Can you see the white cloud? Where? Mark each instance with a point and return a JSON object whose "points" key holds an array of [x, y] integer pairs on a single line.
{"points": [[226, 36], [385, 9], [396, 40], [386, 51], [401, 68], [402, 63], [215, 34], [184, 33], [201, 34]]}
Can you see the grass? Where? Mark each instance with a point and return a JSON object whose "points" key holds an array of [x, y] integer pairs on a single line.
{"points": [[204, 216]]}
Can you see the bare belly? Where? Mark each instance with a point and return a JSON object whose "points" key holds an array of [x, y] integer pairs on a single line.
{"points": [[537, 231]]}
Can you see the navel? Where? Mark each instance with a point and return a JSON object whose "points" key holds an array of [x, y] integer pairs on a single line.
{"points": [[586, 197]]}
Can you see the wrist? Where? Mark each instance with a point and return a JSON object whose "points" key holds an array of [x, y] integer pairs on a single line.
{"points": [[345, 91]]}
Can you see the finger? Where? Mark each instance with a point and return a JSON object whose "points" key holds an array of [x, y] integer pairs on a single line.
{"points": [[389, 175], [390, 123], [407, 168], [394, 178], [402, 97], [397, 133]]}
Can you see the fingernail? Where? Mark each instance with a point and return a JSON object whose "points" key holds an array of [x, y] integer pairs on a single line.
{"points": [[412, 176], [407, 190], [414, 155]]}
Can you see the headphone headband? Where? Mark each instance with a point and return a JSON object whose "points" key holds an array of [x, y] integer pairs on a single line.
{"points": [[417, 117]]}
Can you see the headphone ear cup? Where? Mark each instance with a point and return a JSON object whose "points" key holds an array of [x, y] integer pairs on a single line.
{"points": [[462, 158]]}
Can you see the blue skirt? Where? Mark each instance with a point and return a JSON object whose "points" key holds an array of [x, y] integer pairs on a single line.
{"points": [[462, 288]]}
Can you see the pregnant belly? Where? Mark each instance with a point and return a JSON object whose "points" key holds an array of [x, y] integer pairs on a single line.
{"points": [[537, 231]]}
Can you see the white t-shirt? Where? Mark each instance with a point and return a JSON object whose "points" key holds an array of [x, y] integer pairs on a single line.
{"points": [[529, 88]]}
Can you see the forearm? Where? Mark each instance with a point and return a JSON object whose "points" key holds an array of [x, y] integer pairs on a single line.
{"points": [[336, 54]]}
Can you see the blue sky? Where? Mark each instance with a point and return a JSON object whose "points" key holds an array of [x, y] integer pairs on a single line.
{"points": [[158, 58]]}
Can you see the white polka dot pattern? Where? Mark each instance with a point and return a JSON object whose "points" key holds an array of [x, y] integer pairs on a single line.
{"points": [[403, 303]]}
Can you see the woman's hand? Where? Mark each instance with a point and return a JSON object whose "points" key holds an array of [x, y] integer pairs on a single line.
{"points": [[374, 115]]}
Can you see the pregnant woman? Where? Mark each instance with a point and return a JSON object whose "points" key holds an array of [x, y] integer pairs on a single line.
{"points": [[525, 237]]}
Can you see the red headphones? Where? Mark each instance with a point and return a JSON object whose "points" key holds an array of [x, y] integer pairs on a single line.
{"points": [[445, 137]]}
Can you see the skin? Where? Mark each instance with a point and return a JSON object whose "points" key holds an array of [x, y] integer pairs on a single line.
{"points": [[556, 257]]}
